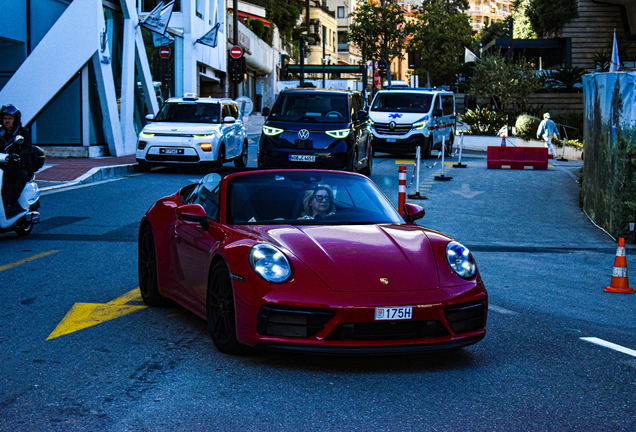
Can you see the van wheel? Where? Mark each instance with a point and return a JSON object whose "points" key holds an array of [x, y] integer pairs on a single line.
{"points": [[427, 147], [352, 164], [448, 151], [369, 167]]}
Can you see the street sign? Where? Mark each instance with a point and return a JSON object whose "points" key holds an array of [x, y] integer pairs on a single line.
{"points": [[164, 52], [236, 52], [376, 78]]}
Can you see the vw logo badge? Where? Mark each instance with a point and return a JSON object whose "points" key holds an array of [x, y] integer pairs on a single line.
{"points": [[303, 134], [392, 125]]}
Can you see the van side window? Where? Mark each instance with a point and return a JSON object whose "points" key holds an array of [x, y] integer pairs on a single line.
{"points": [[447, 105], [355, 106]]}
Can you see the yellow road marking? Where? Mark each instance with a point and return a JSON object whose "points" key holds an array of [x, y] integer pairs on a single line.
{"points": [[83, 315], [26, 260], [404, 162]]}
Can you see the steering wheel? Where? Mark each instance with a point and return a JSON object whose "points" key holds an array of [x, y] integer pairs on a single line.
{"points": [[334, 114]]}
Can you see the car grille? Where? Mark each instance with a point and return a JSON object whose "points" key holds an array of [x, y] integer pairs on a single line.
{"points": [[171, 158], [174, 135], [292, 322], [333, 162], [383, 128], [388, 330], [467, 317]]}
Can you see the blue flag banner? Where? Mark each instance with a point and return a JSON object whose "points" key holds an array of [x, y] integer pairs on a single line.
{"points": [[158, 18], [615, 63], [210, 38]]}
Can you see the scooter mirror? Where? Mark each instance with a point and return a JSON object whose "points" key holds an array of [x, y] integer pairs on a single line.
{"points": [[19, 139]]}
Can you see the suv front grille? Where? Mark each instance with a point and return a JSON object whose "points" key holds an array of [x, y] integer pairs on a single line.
{"points": [[383, 128]]}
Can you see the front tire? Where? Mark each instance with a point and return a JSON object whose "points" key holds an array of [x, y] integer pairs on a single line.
{"points": [[427, 147], [241, 161], [24, 231], [220, 158], [147, 270], [352, 164], [369, 167], [220, 313]]}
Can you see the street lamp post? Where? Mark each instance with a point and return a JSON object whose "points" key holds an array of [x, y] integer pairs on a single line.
{"points": [[324, 34]]}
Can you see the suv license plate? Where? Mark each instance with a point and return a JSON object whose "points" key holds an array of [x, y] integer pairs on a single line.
{"points": [[394, 313], [171, 151], [390, 140], [302, 158]]}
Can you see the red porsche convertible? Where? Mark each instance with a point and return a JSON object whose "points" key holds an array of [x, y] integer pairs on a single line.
{"points": [[309, 260]]}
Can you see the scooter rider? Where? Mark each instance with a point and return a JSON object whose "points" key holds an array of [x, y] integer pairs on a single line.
{"points": [[18, 170]]}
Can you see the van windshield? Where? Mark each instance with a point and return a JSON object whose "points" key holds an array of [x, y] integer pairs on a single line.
{"points": [[403, 102], [323, 108]]}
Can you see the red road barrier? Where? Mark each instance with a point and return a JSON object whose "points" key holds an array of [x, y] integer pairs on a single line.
{"points": [[402, 188], [517, 157]]}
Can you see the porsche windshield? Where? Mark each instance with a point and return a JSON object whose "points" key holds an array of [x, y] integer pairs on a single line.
{"points": [[402, 102], [189, 112], [307, 197], [315, 107]]}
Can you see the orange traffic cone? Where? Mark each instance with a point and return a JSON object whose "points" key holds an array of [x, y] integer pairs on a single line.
{"points": [[620, 282]]}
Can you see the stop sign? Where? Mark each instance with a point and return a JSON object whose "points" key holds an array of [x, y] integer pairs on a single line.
{"points": [[236, 52], [164, 52], [376, 78]]}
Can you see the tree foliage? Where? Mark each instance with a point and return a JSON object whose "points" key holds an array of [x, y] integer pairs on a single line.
{"points": [[504, 83], [547, 17], [379, 30], [440, 33], [284, 14]]}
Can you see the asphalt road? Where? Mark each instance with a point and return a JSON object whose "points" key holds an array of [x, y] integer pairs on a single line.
{"points": [[133, 368]]}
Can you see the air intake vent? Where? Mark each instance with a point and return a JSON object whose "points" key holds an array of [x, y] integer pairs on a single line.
{"points": [[388, 330], [292, 322], [467, 317]]}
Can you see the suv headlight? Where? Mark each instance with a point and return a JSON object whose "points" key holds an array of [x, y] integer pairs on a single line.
{"points": [[270, 263], [271, 131], [207, 136], [146, 135], [342, 133], [460, 260]]}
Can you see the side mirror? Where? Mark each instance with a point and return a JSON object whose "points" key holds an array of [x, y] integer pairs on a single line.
{"points": [[413, 212], [150, 117], [363, 114], [265, 111], [228, 119], [193, 213], [19, 139]]}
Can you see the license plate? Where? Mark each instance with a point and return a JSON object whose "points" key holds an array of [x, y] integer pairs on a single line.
{"points": [[390, 140], [394, 313], [172, 151], [302, 158]]}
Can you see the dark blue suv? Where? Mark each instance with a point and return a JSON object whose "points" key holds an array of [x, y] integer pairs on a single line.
{"points": [[317, 128]]}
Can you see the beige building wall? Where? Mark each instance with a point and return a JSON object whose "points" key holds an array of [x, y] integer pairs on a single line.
{"points": [[485, 12]]}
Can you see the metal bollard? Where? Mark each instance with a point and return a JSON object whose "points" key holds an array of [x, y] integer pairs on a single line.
{"points": [[459, 163], [443, 177], [417, 195]]}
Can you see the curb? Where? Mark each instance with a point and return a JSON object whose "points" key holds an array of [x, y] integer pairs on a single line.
{"points": [[98, 174]]}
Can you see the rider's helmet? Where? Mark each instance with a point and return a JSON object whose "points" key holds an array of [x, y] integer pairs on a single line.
{"points": [[11, 110]]}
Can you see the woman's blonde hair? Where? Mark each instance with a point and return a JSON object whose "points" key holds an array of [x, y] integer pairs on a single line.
{"points": [[309, 195]]}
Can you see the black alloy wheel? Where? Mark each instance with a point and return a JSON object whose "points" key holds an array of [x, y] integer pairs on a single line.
{"points": [[241, 161], [352, 164], [220, 312], [147, 270]]}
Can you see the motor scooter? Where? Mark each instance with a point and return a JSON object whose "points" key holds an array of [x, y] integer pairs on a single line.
{"points": [[22, 223]]}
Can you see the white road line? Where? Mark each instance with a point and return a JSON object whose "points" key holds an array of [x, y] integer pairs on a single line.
{"points": [[501, 310], [609, 345]]}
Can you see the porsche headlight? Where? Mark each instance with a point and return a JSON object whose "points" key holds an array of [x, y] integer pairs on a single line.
{"points": [[460, 260], [342, 133], [271, 131], [270, 263]]}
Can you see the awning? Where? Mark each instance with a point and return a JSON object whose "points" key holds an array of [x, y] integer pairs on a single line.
{"points": [[245, 15]]}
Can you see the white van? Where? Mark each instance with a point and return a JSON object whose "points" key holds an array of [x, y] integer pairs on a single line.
{"points": [[396, 83], [404, 118]]}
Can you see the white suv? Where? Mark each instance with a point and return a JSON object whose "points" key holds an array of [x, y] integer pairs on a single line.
{"points": [[403, 118], [193, 130]]}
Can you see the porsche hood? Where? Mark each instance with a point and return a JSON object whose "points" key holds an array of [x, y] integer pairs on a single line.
{"points": [[363, 257]]}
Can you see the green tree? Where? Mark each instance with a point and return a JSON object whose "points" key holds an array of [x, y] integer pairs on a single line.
{"points": [[505, 83], [496, 30], [440, 34], [547, 17], [379, 30], [522, 28]]}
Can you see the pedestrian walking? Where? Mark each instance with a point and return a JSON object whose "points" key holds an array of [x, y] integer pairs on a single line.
{"points": [[547, 129]]}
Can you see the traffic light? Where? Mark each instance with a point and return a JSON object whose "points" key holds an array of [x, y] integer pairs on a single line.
{"points": [[236, 68], [381, 67]]}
